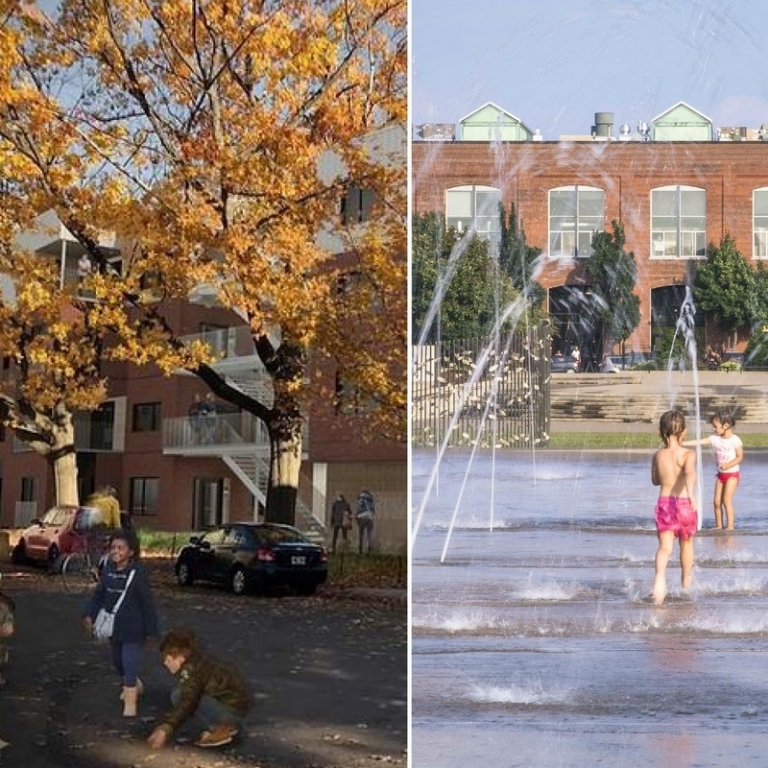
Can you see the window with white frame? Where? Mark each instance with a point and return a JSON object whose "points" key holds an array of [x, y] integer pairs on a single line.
{"points": [[474, 208], [575, 214], [760, 223], [678, 222]]}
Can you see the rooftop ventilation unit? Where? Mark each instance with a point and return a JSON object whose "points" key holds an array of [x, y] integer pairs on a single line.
{"points": [[437, 131], [603, 124]]}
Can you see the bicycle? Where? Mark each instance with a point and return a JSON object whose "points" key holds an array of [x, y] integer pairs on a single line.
{"points": [[79, 569]]}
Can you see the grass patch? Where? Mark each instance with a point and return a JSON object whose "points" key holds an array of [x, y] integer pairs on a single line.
{"points": [[632, 440], [162, 543], [348, 569], [603, 440]]}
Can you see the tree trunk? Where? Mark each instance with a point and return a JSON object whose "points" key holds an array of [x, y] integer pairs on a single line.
{"points": [[284, 466], [64, 461]]}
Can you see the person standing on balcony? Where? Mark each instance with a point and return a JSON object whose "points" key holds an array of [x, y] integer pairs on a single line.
{"points": [[209, 418], [341, 520], [365, 514], [196, 419]]}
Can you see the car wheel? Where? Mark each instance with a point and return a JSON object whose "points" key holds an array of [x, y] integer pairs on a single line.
{"points": [[570, 370], [184, 574], [239, 581], [19, 553], [53, 558]]}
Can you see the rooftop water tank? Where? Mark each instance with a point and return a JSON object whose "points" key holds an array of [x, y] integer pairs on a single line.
{"points": [[603, 123]]}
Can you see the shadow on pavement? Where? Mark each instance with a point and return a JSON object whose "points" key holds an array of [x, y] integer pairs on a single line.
{"points": [[329, 676]]}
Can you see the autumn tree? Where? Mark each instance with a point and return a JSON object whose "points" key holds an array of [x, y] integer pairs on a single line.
{"points": [[217, 140]]}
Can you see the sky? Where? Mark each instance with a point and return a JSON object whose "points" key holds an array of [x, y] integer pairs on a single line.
{"points": [[555, 63]]}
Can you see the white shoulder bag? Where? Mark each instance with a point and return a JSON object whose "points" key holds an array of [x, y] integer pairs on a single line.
{"points": [[104, 624]]}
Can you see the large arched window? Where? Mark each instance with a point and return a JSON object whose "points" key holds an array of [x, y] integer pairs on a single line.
{"points": [[678, 222], [575, 214], [760, 223], [474, 208]]}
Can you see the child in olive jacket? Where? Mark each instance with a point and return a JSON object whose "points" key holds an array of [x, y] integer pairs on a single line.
{"points": [[207, 688]]}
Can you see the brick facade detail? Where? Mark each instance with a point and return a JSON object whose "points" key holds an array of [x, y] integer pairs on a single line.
{"points": [[626, 172]]}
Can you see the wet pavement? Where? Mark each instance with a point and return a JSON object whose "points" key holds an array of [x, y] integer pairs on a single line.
{"points": [[329, 674], [534, 641]]}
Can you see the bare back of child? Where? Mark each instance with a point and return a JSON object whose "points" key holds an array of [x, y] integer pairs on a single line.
{"points": [[673, 469]]}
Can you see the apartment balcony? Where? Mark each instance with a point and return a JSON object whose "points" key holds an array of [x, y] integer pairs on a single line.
{"points": [[240, 440], [224, 433], [237, 361], [96, 431], [50, 239]]}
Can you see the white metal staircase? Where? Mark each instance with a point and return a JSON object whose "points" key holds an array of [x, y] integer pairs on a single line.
{"points": [[240, 440]]}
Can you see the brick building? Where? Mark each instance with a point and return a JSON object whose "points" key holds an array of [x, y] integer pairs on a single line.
{"points": [[677, 185], [177, 472]]}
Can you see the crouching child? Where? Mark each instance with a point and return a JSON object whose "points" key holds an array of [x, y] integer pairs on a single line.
{"points": [[207, 689]]}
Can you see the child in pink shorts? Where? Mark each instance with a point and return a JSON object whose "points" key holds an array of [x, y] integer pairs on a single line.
{"points": [[729, 453], [673, 469]]}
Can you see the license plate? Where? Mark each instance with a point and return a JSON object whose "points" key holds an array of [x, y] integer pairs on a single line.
{"points": [[298, 560]]}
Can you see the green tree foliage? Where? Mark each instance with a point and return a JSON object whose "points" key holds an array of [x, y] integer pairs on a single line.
{"points": [[613, 273], [461, 271], [760, 298], [724, 286], [756, 353], [517, 258]]}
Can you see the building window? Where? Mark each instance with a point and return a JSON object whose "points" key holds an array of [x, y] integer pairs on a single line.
{"points": [[760, 223], [678, 222], [575, 214], [474, 209], [356, 206], [348, 399], [146, 417], [28, 488], [95, 430], [144, 495], [208, 502]]}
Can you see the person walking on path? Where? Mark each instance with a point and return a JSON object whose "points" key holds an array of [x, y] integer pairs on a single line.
{"points": [[341, 520], [134, 621], [729, 452], [673, 469], [365, 514], [207, 688]]}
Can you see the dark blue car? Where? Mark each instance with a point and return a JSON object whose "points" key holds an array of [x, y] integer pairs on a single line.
{"points": [[253, 556]]}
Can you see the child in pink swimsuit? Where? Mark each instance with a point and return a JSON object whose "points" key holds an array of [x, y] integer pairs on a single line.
{"points": [[729, 451], [673, 469]]}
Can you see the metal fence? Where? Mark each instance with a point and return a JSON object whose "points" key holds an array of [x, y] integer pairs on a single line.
{"points": [[484, 391]]}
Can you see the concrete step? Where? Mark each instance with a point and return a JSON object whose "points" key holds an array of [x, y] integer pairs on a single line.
{"points": [[621, 406]]}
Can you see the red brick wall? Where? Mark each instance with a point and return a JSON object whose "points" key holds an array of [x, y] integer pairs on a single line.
{"points": [[626, 171]]}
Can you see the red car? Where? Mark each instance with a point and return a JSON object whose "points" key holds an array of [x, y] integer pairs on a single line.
{"points": [[61, 530]]}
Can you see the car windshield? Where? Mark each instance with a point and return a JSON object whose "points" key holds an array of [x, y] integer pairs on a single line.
{"points": [[56, 516]]}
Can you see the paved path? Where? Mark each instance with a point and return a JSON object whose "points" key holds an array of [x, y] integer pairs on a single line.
{"points": [[329, 674]]}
